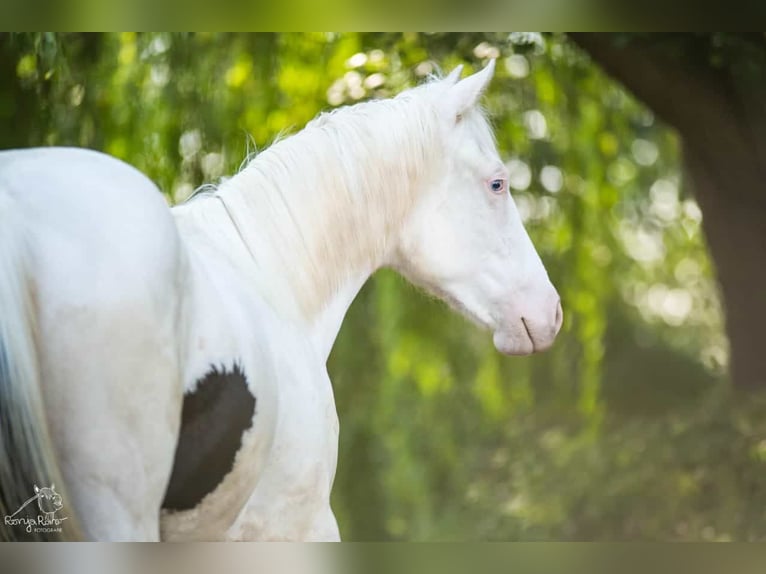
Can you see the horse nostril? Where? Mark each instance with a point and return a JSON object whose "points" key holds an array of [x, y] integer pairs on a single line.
{"points": [[559, 317]]}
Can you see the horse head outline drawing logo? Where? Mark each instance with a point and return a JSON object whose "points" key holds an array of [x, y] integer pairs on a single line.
{"points": [[48, 501]]}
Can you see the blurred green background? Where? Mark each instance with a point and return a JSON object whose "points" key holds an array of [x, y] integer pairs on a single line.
{"points": [[629, 428]]}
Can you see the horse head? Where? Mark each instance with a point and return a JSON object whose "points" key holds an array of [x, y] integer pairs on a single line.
{"points": [[464, 240], [48, 500]]}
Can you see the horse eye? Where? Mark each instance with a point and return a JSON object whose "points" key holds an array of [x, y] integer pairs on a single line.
{"points": [[497, 185]]}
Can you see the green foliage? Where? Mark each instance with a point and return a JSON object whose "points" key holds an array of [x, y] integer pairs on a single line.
{"points": [[623, 430]]}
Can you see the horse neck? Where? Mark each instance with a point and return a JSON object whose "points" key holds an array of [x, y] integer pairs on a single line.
{"points": [[321, 211]]}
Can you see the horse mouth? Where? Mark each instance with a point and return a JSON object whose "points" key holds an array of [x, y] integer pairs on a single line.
{"points": [[512, 342], [529, 334]]}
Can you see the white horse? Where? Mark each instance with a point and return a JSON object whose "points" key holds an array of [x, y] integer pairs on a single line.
{"points": [[168, 366]]}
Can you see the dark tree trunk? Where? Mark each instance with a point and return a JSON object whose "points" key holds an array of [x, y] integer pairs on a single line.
{"points": [[735, 227], [722, 122]]}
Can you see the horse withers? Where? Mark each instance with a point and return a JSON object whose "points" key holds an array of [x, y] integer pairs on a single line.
{"points": [[168, 365]]}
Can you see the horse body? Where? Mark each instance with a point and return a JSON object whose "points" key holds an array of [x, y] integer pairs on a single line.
{"points": [[182, 352]]}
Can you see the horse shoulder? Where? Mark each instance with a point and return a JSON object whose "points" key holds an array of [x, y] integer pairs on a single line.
{"points": [[271, 474], [291, 500], [229, 402]]}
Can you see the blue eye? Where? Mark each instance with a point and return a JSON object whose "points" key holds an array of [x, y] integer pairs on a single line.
{"points": [[497, 185]]}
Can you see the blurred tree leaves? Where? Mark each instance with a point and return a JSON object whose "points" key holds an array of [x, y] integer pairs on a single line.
{"points": [[625, 429], [711, 87]]}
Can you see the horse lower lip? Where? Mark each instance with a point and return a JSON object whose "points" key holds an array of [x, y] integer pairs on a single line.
{"points": [[515, 352], [506, 347]]}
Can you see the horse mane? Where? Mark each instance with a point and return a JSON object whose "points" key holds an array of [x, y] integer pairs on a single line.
{"points": [[328, 199]]}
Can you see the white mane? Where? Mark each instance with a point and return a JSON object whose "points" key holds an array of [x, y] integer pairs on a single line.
{"points": [[330, 197]]}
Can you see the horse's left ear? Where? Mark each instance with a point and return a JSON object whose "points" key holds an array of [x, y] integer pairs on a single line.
{"points": [[464, 94]]}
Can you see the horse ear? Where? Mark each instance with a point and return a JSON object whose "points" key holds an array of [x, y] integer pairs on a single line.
{"points": [[464, 94], [453, 76]]}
